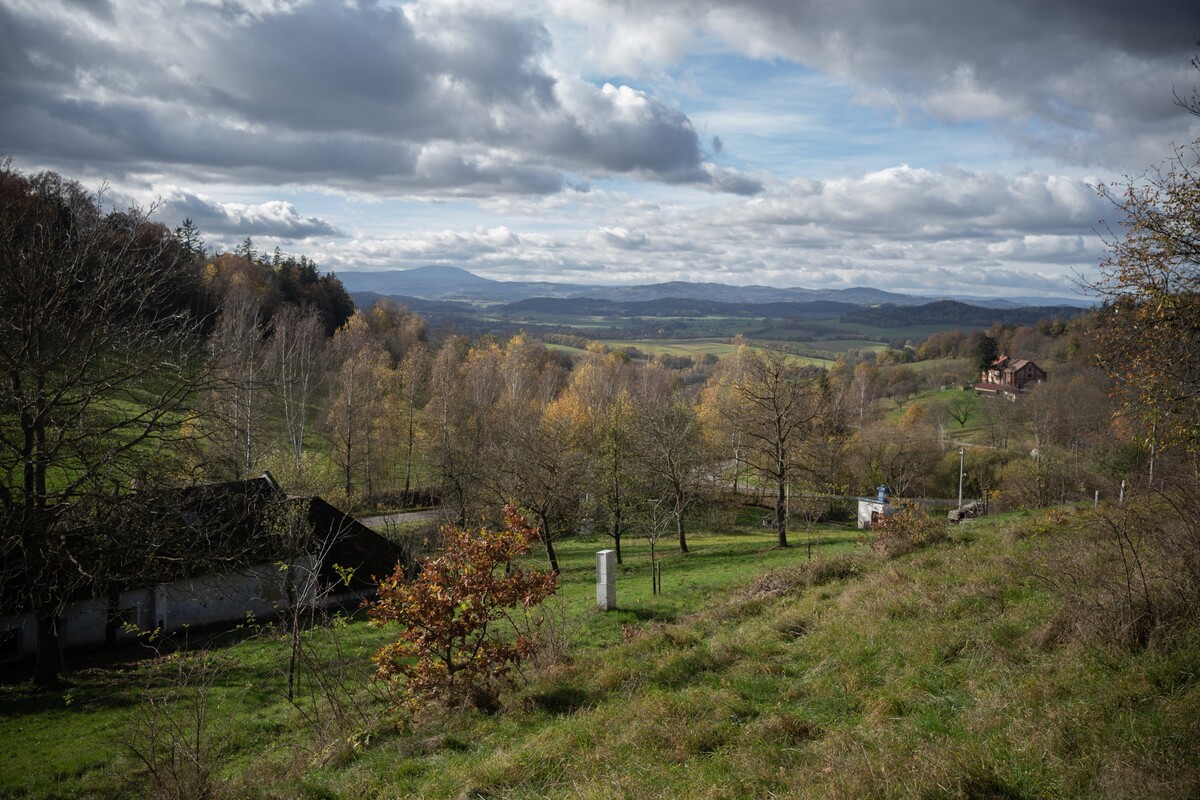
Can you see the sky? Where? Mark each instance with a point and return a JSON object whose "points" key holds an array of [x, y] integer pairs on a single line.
{"points": [[924, 146]]}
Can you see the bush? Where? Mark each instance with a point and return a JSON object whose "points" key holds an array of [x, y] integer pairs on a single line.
{"points": [[720, 516], [908, 529], [1130, 574], [817, 572], [460, 637]]}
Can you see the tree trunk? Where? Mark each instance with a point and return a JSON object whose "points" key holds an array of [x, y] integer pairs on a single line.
{"points": [[112, 624], [549, 545], [781, 513], [679, 531], [653, 570], [408, 458], [616, 536]]}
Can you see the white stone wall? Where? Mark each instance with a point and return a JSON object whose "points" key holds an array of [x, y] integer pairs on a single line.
{"points": [[224, 597]]}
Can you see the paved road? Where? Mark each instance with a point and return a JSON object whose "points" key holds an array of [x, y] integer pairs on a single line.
{"points": [[398, 518]]}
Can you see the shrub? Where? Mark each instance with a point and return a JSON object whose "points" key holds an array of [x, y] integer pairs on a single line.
{"points": [[460, 634], [790, 580], [174, 731], [908, 529], [1130, 574]]}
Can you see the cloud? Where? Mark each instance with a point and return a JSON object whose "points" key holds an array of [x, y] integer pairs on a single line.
{"points": [[905, 229], [551, 137], [1076, 80], [732, 181], [619, 237], [414, 99], [274, 218], [905, 203]]}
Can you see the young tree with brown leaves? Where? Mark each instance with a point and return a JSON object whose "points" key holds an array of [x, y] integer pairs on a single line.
{"points": [[466, 621]]}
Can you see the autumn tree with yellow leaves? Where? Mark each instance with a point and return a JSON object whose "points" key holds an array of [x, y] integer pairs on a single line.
{"points": [[1149, 331]]}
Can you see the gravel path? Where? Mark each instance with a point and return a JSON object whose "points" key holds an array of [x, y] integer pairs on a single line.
{"points": [[399, 517]]}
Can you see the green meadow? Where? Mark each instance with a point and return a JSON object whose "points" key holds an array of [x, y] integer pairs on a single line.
{"points": [[961, 670]]}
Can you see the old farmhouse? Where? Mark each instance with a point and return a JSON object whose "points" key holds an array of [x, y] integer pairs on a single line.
{"points": [[213, 554], [1010, 375]]}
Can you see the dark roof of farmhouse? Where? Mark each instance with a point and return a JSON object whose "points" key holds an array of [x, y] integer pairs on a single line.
{"points": [[168, 534]]}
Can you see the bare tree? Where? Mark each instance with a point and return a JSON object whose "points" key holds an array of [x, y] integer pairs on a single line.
{"points": [[776, 404], [531, 452], [961, 408], [295, 357], [1149, 324], [239, 398], [100, 368], [1002, 418], [603, 414], [865, 389], [656, 521], [410, 394], [902, 459], [451, 429], [670, 452], [354, 405]]}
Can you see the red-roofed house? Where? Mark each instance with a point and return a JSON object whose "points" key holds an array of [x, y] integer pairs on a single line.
{"points": [[1010, 375]]}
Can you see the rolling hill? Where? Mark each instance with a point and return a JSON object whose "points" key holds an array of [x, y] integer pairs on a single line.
{"points": [[453, 283]]}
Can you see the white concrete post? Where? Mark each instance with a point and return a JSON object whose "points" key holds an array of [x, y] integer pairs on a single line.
{"points": [[606, 580]]}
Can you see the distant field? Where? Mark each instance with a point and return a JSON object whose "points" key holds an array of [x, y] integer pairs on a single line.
{"points": [[674, 347], [910, 332], [696, 347], [722, 347], [844, 345], [582, 323], [565, 348], [818, 335], [949, 365]]}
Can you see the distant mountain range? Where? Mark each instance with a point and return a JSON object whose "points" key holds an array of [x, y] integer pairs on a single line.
{"points": [[443, 283], [676, 307]]}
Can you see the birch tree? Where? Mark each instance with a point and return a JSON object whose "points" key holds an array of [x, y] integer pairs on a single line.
{"points": [[239, 408], [297, 339]]}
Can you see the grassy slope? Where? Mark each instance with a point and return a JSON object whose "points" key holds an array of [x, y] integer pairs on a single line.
{"points": [[937, 675], [945, 673]]}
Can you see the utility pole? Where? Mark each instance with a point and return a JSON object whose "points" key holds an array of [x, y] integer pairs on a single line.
{"points": [[962, 458]]}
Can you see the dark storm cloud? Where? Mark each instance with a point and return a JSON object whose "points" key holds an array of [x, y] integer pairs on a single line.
{"points": [[357, 94]]}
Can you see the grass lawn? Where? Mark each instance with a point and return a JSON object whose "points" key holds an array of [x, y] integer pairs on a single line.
{"points": [[949, 672], [40, 733], [844, 345]]}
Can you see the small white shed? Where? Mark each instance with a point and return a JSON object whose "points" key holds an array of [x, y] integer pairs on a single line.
{"points": [[868, 507]]}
